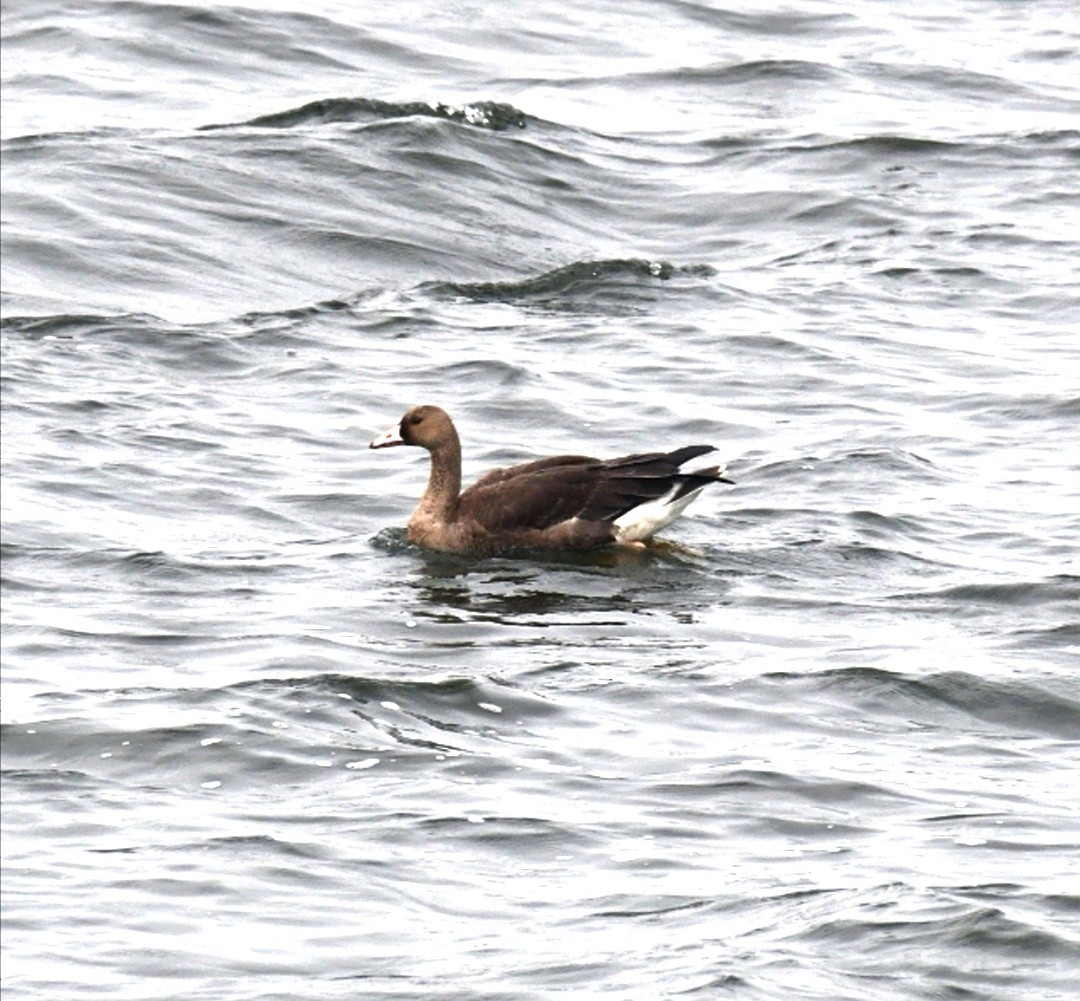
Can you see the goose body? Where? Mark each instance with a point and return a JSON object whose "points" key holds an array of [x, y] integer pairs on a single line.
{"points": [[559, 503]]}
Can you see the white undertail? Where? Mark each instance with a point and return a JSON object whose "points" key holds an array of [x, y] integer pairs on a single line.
{"points": [[642, 522]]}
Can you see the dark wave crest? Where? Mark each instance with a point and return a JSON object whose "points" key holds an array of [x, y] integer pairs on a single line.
{"points": [[581, 277], [1004, 704], [492, 115]]}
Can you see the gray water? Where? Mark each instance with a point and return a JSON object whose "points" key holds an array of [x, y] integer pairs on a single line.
{"points": [[823, 742]]}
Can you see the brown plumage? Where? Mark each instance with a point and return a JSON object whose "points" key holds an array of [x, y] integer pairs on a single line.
{"points": [[563, 502]]}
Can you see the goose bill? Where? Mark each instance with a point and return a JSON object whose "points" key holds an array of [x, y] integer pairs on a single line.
{"points": [[391, 436]]}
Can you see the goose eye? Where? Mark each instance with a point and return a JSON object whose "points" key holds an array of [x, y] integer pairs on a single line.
{"points": [[415, 419]]}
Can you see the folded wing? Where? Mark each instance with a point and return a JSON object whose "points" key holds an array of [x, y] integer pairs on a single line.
{"points": [[538, 495]]}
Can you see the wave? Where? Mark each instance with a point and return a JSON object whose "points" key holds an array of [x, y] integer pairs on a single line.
{"points": [[1062, 587], [722, 74], [297, 723], [983, 930], [178, 345], [564, 284], [67, 325], [492, 115], [571, 280], [1010, 705], [756, 70]]}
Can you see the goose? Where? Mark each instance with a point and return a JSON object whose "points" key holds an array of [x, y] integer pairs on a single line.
{"points": [[565, 502]]}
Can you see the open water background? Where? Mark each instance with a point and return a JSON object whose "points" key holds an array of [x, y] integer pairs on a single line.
{"points": [[824, 744]]}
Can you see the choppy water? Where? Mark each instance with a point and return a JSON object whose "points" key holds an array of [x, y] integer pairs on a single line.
{"points": [[822, 744]]}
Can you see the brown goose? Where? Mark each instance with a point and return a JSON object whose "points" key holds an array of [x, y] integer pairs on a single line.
{"points": [[565, 502]]}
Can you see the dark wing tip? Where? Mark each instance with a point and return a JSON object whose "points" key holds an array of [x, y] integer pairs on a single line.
{"points": [[688, 452]]}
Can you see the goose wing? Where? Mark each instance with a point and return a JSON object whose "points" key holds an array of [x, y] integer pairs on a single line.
{"points": [[538, 495]]}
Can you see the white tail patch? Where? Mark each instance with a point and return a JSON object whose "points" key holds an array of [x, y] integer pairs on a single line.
{"points": [[645, 520]]}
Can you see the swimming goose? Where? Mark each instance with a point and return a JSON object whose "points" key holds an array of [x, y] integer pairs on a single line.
{"points": [[564, 502]]}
